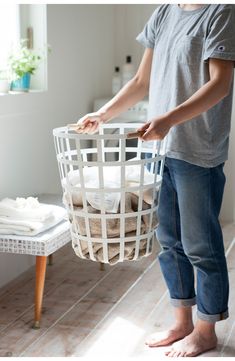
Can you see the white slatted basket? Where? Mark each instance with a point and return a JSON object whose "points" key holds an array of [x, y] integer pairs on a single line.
{"points": [[111, 188]]}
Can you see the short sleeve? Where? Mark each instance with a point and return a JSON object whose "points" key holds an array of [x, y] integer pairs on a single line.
{"points": [[220, 41], [147, 36]]}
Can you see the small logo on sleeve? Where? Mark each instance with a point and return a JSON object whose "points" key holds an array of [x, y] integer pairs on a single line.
{"points": [[221, 48]]}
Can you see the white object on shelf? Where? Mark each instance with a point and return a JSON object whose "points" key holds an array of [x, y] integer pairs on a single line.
{"points": [[4, 86], [136, 113], [116, 81], [128, 70]]}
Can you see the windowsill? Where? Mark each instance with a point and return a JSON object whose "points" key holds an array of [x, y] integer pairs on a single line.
{"points": [[32, 91]]}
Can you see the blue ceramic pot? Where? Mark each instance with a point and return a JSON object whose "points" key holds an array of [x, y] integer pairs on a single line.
{"points": [[22, 84]]}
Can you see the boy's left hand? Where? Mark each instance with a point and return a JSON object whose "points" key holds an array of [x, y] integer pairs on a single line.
{"points": [[156, 129]]}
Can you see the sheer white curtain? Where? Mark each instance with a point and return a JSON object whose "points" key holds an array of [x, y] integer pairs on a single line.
{"points": [[9, 31]]}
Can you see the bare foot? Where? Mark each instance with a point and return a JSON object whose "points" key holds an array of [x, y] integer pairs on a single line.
{"points": [[165, 338], [193, 344]]}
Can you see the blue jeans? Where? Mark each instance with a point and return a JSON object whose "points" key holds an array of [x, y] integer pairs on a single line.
{"points": [[191, 238]]}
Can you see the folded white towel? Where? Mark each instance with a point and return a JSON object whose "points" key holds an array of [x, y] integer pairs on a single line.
{"points": [[29, 227], [25, 209]]}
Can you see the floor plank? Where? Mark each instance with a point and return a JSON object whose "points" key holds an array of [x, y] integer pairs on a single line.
{"points": [[88, 312], [127, 320], [158, 319], [18, 282], [82, 276], [18, 333], [225, 329], [22, 294], [85, 315]]}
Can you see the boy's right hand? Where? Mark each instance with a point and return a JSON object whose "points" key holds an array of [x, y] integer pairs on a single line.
{"points": [[89, 123]]}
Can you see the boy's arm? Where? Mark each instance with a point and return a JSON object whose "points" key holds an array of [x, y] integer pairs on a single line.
{"points": [[135, 90], [221, 72]]}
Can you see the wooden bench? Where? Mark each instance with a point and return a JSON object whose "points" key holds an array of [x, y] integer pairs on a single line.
{"points": [[42, 246]]}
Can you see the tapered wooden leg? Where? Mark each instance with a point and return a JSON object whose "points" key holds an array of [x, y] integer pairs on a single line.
{"points": [[41, 263]]}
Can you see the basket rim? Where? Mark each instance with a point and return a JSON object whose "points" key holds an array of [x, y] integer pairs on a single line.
{"points": [[65, 132]]}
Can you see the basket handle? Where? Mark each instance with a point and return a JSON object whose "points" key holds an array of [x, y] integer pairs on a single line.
{"points": [[135, 134], [129, 135], [75, 126]]}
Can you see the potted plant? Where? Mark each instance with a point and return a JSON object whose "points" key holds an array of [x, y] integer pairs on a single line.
{"points": [[23, 63]]}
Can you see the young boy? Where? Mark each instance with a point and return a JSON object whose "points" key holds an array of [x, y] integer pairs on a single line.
{"points": [[187, 69]]}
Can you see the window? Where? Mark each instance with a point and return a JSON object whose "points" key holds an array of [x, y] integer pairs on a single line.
{"points": [[15, 21], [34, 16], [9, 31]]}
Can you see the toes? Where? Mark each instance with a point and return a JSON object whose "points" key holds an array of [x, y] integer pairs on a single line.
{"points": [[177, 354], [174, 352], [170, 353]]}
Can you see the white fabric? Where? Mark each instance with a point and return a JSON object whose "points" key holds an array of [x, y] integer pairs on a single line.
{"points": [[30, 226], [91, 180], [25, 208], [112, 179]]}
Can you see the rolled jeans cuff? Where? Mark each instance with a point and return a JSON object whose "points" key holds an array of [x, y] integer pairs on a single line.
{"points": [[213, 318], [183, 302]]}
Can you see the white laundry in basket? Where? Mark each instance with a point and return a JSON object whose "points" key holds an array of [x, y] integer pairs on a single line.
{"points": [[111, 180], [91, 180]]}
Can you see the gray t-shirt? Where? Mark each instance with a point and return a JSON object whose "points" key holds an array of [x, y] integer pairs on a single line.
{"points": [[183, 41]]}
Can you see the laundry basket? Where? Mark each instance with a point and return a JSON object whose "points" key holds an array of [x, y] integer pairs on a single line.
{"points": [[111, 205]]}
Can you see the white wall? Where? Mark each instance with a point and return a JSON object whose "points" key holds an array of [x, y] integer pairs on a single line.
{"points": [[80, 69], [228, 206], [129, 22]]}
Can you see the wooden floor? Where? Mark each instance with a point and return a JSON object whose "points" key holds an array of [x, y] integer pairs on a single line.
{"points": [[88, 312]]}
